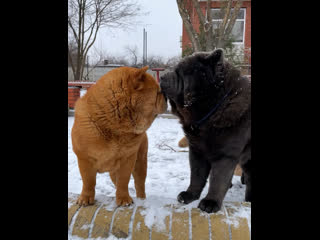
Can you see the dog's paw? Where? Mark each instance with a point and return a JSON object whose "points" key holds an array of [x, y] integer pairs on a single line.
{"points": [[209, 206], [186, 197], [124, 201], [141, 195], [84, 200]]}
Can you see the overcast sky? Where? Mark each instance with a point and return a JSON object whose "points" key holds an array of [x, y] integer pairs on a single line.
{"points": [[163, 25]]}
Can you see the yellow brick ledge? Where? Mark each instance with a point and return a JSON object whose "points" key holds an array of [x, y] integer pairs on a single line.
{"points": [[103, 219]]}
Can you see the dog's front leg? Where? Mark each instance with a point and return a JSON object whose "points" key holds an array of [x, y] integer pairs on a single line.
{"points": [[88, 174], [122, 180], [200, 168], [140, 169], [220, 178]]}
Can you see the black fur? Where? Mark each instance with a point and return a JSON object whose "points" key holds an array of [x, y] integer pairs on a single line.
{"points": [[194, 88]]}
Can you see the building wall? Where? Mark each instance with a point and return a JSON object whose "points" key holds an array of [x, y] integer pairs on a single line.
{"points": [[247, 36], [216, 4]]}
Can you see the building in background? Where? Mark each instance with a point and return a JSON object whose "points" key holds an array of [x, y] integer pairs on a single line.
{"points": [[241, 31], [94, 73]]}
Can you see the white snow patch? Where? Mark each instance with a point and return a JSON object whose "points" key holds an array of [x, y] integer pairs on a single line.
{"points": [[168, 174], [155, 212], [138, 225], [239, 212], [82, 92], [85, 226], [111, 237]]}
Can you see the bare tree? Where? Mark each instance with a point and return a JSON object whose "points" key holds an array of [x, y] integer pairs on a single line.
{"points": [[86, 17], [98, 57], [206, 38], [72, 53], [133, 52], [173, 61], [155, 61], [120, 59]]}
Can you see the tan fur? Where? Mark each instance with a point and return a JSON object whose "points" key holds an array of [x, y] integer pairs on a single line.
{"points": [[238, 170], [183, 142], [109, 131]]}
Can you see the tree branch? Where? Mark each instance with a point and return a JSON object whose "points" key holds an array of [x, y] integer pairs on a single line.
{"points": [[224, 22], [71, 61], [233, 18], [199, 12], [86, 17], [208, 29], [193, 36], [73, 30]]}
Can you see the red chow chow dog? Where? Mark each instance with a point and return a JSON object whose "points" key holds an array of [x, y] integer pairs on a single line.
{"points": [[109, 131]]}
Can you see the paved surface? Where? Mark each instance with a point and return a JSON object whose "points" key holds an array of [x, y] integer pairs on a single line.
{"points": [[104, 219]]}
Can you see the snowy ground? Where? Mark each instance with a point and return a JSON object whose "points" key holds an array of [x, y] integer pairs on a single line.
{"points": [[167, 175], [168, 166]]}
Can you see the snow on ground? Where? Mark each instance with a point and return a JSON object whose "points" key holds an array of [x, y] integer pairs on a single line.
{"points": [[167, 174], [168, 166]]}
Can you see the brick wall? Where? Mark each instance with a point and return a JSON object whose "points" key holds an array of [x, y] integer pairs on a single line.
{"points": [[247, 36], [73, 95]]}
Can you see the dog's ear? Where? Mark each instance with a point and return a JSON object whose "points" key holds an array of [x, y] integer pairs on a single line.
{"points": [[215, 56], [138, 80]]}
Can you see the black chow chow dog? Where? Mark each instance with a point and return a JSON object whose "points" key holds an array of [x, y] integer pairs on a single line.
{"points": [[213, 103]]}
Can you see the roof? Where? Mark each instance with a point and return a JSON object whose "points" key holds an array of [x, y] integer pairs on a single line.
{"points": [[111, 65]]}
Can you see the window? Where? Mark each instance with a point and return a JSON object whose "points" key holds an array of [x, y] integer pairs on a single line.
{"points": [[238, 29]]}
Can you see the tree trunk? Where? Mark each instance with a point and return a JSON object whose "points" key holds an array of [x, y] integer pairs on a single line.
{"points": [[71, 61], [192, 34], [233, 18], [85, 17], [221, 39], [210, 46]]}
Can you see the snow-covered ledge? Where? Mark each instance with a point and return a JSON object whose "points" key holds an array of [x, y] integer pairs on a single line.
{"points": [[150, 218]]}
